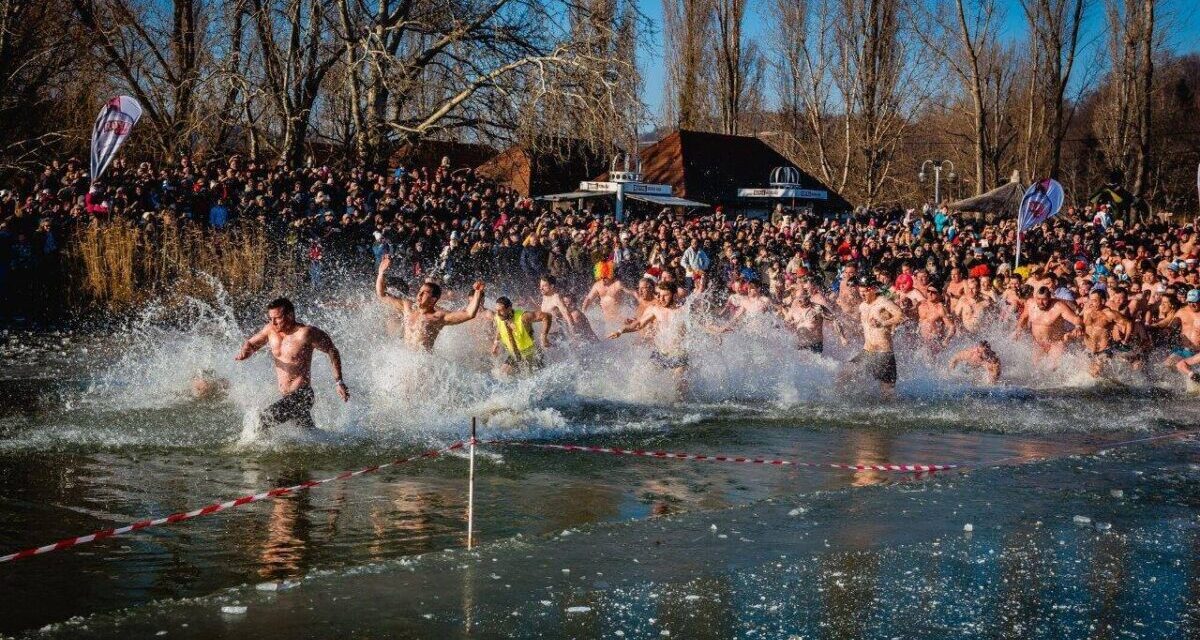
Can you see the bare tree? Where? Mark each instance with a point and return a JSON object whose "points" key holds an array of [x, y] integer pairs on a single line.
{"points": [[689, 43], [41, 79], [878, 75], [1123, 131], [160, 59], [738, 64], [297, 50], [964, 34], [488, 67], [802, 47], [1055, 27]]}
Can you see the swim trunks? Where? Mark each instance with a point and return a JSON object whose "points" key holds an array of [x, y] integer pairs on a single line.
{"points": [[880, 365], [669, 362], [527, 365], [295, 406], [1115, 349], [1183, 352]]}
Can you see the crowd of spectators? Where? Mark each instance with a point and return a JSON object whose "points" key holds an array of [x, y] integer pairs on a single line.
{"points": [[453, 226]]}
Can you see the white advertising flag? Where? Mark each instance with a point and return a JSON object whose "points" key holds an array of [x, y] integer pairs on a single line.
{"points": [[112, 127]]}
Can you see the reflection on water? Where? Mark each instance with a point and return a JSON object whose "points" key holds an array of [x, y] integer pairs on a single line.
{"points": [[284, 551], [72, 461], [1027, 570]]}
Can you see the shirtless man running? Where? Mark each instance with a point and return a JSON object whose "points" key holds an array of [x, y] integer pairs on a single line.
{"points": [[645, 297], [610, 293], [645, 300], [552, 302], [936, 325], [880, 317], [972, 307], [1105, 331], [753, 305], [1188, 318], [807, 320], [848, 299], [582, 328], [292, 345], [1046, 318], [667, 317], [423, 319]]}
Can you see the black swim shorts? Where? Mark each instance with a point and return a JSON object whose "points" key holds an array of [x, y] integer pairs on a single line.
{"points": [[293, 407], [880, 365]]}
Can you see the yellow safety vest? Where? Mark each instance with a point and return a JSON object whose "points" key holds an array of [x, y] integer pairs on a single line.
{"points": [[519, 333]]}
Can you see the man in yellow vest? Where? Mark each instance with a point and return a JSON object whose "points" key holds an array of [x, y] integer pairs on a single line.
{"points": [[514, 330]]}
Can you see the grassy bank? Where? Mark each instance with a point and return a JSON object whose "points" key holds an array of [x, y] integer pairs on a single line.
{"points": [[117, 266]]}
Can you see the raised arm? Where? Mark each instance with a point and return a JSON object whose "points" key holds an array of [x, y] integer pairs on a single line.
{"points": [[252, 345], [472, 310], [738, 312], [1022, 319], [1166, 322], [323, 343], [381, 287]]}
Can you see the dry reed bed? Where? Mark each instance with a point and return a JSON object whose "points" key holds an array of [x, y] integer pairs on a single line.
{"points": [[118, 266]]}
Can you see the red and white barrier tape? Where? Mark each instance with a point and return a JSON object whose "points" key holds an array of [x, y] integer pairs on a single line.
{"points": [[216, 507], [903, 468]]}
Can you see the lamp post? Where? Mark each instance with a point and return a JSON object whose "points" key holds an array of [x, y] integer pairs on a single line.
{"points": [[937, 177]]}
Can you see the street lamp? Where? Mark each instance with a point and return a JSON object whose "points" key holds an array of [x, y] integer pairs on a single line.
{"points": [[937, 177]]}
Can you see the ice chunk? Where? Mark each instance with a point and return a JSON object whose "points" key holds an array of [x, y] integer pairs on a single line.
{"points": [[968, 527], [578, 609], [234, 609], [1103, 526], [267, 586], [1117, 493], [1082, 520], [546, 603], [797, 511]]}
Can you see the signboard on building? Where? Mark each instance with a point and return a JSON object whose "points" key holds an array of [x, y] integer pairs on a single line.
{"points": [[639, 188], [785, 192]]}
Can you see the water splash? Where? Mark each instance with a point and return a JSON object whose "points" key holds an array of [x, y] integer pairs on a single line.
{"points": [[405, 397]]}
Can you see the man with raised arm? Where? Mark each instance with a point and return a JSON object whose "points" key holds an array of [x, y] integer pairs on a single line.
{"points": [[423, 319], [292, 345]]}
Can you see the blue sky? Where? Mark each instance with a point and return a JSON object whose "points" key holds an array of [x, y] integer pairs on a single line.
{"points": [[1183, 17]]}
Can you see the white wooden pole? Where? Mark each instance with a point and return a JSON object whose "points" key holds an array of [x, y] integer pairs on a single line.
{"points": [[471, 490]]}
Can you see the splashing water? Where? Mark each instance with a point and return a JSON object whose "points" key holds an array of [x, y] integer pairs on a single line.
{"points": [[402, 396]]}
